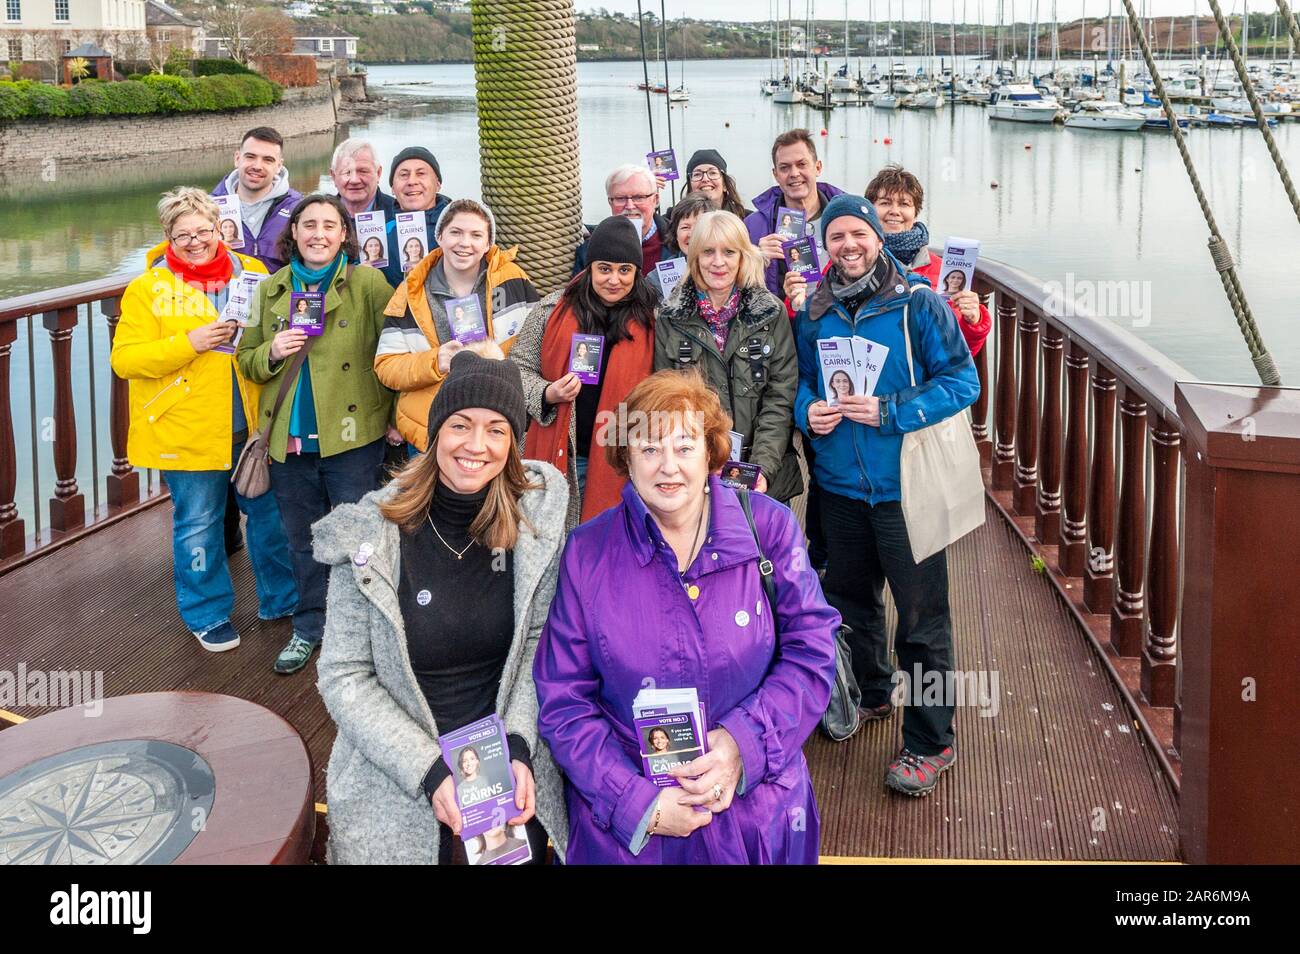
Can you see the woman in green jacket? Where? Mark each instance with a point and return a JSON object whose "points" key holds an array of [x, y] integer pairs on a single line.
{"points": [[327, 437], [722, 319]]}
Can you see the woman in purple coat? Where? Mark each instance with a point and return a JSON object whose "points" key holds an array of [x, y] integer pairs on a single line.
{"points": [[664, 591]]}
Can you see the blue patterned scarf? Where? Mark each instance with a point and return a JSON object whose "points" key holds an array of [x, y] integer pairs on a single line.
{"points": [[906, 245]]}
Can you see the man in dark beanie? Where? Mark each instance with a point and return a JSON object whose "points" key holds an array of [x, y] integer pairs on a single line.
{"points": [[925, 377], [416, 181]]}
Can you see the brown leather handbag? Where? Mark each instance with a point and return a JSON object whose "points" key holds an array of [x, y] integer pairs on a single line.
{"points": [[252, 472]]}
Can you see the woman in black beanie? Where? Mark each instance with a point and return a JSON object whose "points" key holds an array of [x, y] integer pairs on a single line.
{"points": [[609, 298], [406, 659], [706, 174]]}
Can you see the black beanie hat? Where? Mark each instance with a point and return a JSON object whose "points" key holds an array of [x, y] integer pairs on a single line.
{"points": [[615, 240], [413, 152], [476, 381], [706, 157]]}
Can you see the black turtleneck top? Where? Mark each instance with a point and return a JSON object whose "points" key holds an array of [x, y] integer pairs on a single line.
{"points": [[459, 617]]}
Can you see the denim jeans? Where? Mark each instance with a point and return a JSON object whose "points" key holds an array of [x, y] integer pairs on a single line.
{"points": [[868, 546], [308, 487], [580, 464], [205, 596]]}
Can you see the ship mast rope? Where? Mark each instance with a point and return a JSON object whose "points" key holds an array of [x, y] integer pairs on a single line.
{"points": [[1265, 367], [1289, 18]]}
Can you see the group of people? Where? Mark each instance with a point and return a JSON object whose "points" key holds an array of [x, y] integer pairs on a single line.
{"points": [[475, 529]]}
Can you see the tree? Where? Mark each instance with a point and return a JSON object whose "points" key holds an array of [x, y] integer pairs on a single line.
{"points": [[249, 31]]}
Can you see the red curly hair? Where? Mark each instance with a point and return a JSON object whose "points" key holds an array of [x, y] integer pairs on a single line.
{"points": [[669, 396]]}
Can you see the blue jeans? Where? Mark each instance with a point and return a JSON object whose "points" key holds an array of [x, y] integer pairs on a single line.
{"points": [[580, 464], [308, 487], [205, 596]]}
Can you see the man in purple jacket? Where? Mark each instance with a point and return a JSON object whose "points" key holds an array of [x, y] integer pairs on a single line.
{"points": [[261, 182], [795, 167]]}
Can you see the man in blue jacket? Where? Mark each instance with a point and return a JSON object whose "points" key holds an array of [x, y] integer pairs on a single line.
{"points": [[416, 181], [866, 294]]}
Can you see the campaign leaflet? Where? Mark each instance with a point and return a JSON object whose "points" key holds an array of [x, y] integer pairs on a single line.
{"points": [[790, 223], [663, 163], [958, 271], [239, 306], [230, 220], [412, 238], [504, 846], [850, 366], [466, 319], [670, 731], [372, 237], [307, 312], [584, 357], [479, 758], [739, 475], [737, 445], [801, 257], [671, 273]]}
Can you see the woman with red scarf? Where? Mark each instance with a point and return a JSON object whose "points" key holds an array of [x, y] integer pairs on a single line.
{"points": [[190, 412], [609, 298]]}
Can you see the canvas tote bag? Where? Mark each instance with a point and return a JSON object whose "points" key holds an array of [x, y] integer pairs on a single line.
{"points": [[939, 473]]}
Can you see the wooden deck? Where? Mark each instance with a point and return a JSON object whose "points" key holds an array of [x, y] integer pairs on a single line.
{"points": [[1059, 773]]}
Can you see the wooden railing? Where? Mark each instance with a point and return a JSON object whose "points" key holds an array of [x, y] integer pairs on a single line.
{"points": [[1099, 503], [67, 314]]}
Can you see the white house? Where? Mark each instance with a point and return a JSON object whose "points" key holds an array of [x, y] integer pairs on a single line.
{"points": [[43, 30]]}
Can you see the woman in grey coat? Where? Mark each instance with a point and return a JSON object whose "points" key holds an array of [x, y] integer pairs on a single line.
{"points": [[439, 587]]}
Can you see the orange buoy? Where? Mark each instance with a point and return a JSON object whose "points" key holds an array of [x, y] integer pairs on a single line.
{"points": [[888, 141], [823, 132]]}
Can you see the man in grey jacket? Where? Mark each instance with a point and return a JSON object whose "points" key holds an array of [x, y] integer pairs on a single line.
{"points": [[266, 201]]}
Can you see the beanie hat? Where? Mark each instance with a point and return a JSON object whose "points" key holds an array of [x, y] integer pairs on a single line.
{"points": [[854, 205], [465, 205], [475, 381], [706, 157], [615, 240], [414, 152]]}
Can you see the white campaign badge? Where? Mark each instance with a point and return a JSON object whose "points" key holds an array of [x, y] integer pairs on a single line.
{"points": [[423, 597], [742, 618]]}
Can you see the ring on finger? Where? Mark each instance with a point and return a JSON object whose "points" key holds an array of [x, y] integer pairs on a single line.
{"points": [[717, 792]]}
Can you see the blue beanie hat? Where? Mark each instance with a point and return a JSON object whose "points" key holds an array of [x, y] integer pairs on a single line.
{"points": [[854, 205]]}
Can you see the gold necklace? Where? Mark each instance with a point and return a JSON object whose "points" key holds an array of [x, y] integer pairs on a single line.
{"points": [[460, 555]]}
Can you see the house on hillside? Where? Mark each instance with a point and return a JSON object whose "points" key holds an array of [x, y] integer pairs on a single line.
{"points": [[39, 32], [311, 37], [168, 28]]}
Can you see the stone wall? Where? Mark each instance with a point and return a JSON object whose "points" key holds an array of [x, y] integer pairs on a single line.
{"points": [[85, 139]]}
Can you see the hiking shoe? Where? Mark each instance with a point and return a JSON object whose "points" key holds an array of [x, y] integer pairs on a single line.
{"points": [[874, 713], [917, 775], [294, 656], [219, 638]]}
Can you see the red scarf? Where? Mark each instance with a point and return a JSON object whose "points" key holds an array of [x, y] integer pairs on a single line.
{"points": [[209, 277], [626, 367]]}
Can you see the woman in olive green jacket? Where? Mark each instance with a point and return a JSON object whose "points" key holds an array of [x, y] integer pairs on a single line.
{"points": [[722, 319], [327, 439]]}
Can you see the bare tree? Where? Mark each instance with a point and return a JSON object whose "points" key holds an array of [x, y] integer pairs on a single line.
{"points": [[249, 31]]}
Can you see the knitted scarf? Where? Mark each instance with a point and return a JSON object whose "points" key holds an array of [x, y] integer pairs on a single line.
{"points": [[906, 245], [719, 319]]}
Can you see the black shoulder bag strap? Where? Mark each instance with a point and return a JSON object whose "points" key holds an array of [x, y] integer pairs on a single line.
{"points": [[764, 564]]}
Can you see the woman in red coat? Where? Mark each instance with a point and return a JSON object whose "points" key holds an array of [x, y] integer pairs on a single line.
{"points": [[897, 196]]}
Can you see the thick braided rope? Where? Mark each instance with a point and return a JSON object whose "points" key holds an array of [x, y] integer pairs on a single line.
{"points": [[1251, 95], [1291, 24], [525, 65], [1236, 295]]}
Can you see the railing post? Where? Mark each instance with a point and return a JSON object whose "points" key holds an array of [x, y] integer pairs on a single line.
{"points": [[1027, 415], [980, 409], [1047, 516], [1098, 581], [1159, 651], [1004, 408], [13, 539], [67, 506], [123, 480], [1130, 542], [1073, 556], [1237, 667]]}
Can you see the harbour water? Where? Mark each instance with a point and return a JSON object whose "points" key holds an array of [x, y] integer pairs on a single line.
{"points": [[1108, 217]]}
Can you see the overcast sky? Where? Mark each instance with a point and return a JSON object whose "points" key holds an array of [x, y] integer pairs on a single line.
{"points": [[915, 9]]}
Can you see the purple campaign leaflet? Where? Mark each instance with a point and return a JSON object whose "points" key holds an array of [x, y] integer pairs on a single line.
{"points": [[740, 475], [663, 163], [476, 851], [488, 799], [307, 312], [806, 262], [466, 319], [685, 743], [585, 354]]}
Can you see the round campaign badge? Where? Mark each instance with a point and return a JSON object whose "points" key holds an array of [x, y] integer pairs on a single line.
{"points": [[423, 597], [742, 618]]}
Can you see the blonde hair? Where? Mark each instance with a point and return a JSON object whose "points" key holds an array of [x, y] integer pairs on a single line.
{"points": [[186, 200], [720, 228]]}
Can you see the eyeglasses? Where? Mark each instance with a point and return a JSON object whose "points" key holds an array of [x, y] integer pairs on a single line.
{"points": [[699, 175], [617, 200], [185, 238]]}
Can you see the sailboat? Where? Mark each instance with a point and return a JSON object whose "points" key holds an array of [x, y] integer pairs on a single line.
{"points": [[787, 92], [889, 98], [679, 93]]}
